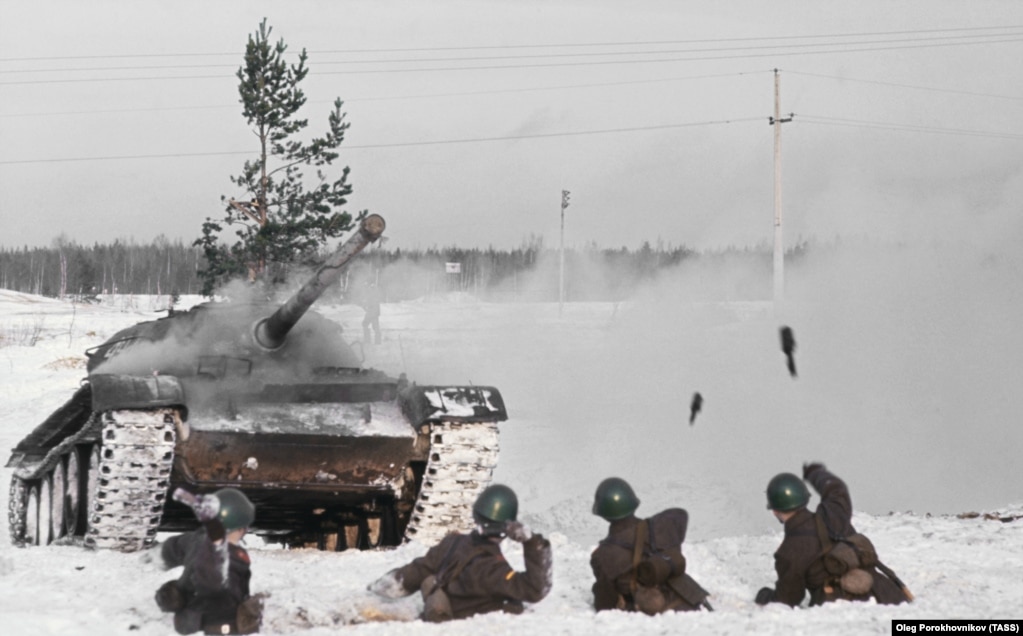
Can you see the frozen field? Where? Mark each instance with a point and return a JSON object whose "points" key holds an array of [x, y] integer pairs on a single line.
{"points": [[912, 399]]}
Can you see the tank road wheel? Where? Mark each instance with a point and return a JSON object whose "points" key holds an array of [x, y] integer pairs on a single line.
{"points": [[45, 509], [17, 511], [373, 532], [389, 528], [73, 495], [58, 495], [32, 516]]}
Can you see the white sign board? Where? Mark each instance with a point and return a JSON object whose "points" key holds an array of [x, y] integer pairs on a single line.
{"points": [[452, 268]]}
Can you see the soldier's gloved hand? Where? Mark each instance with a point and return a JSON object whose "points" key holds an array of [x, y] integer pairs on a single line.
{"points": [[205, 507], [810, 468], [517, 531], [389, 585], [764, 596], [169, 597]]}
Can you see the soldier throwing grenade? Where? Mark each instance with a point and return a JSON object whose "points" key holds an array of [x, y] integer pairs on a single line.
{"points": [[822, 553], [466, 574], [212, 593]]}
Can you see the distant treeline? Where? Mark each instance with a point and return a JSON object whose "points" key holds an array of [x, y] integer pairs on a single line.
{"points": [[531, 271]]}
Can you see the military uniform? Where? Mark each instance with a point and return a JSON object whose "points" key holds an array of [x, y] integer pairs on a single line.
{"points": [[798, 561], [473, 572], [613, 563], [207, 595]]}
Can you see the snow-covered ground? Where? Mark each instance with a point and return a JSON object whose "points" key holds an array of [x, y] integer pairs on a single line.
{"points": [[913, 398]]}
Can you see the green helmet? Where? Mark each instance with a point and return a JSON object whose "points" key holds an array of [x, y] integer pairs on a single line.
{"points": [[236, 511], [494, 507], [786, 492], [615, 499]]}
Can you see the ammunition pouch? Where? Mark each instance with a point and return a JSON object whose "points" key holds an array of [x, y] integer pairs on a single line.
{"points": [[857, 582], [660, 567], [864, 549], [436, 604], [854, 551], [847, 562], [680, 593], [659, 579], [649, 600], [689, 590], [840, 559], [250, 615]]}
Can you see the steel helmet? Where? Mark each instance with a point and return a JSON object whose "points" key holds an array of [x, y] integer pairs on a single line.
{"points": [[236, 511], [786, 492], [614, 499], [494, 507]]}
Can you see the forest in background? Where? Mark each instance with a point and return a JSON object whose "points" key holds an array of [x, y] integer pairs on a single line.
{"points": [[530, 272]]}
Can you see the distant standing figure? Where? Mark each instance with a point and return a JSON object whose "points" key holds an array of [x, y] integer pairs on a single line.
{"points": [[639, 565], [466, 574], [821, 551], [371, 303], [212, 594]]}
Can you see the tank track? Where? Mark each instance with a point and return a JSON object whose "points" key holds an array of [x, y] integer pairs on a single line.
{"points": [[17, 511], [136, 456], [461, 463]]}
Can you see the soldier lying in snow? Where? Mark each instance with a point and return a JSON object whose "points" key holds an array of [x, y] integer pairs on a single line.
{"points": [[466, 574], [639, 565]]}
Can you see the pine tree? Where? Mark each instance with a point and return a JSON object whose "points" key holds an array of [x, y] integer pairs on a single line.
{"points": [[280, 220]]}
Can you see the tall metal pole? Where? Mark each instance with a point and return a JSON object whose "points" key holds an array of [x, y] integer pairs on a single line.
{"points": [[779, 245], [561, 252]]}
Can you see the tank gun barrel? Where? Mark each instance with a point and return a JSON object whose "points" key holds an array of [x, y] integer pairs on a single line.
{"points": [[271, 332]]}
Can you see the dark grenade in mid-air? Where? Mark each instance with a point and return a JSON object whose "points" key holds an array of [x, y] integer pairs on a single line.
{"points": [[267, 399]]}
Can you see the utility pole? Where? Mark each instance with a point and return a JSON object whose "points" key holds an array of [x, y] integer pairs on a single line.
{"points": [[561, 251], [779, 247]]}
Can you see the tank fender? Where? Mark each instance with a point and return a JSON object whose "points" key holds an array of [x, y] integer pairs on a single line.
{"points": [[114, 391], [423, 404]]}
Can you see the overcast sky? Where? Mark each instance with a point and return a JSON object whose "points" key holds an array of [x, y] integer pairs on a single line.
{"points": [[468, 119]]}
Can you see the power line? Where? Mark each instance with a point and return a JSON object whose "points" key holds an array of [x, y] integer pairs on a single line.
{"points": [[376, 98], [861, 47], [662, 60], [812, 119], [437, 142], [533, 56], [857, 123], [897, 85], [532, 46]]}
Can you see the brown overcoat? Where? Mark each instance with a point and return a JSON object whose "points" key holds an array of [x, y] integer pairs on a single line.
{"points": [[486, 582], [612, 563], [797, 561]]}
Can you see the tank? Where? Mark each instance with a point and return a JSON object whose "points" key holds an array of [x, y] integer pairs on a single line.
{"points": [[269, 399]]}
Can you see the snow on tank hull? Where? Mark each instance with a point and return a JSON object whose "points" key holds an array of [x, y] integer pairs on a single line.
{"points": [[270, 400]]}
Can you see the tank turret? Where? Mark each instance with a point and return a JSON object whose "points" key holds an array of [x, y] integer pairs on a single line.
{"points": [[271, 332], [268, 399]]}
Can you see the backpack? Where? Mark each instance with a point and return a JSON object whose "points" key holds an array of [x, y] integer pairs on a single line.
{"points": [[659, 580], [851, 563]]}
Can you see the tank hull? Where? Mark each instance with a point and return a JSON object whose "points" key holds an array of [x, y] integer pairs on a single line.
{"points": [[269, 399], [334, 465]]}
